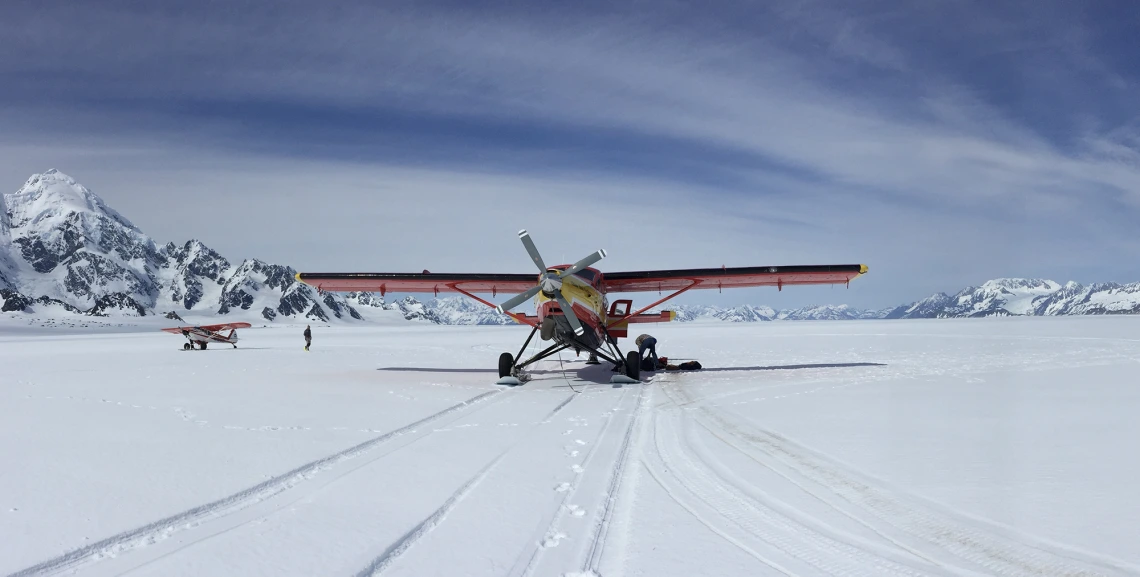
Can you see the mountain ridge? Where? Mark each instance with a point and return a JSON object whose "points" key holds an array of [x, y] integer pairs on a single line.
{"points": [[63, 250]]}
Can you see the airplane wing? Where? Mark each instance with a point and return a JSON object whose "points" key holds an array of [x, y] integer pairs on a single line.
{"points": [[383, 282], [211, 328], [736, 277]]}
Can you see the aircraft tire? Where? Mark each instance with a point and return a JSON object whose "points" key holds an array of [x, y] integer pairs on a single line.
{"points": [[203, 345], [186, 346], [506, 363], [633, 365]]}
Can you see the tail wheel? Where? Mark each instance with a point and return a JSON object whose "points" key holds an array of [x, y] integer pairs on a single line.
{"points": [[506, 364], [633, 365]]}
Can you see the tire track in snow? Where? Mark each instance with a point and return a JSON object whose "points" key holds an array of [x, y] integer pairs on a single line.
{"points": [[885, 512], [601, 529], [425, 527], [711, 527], [393, 552], [761, 521], [164, 528], [552, 527]]}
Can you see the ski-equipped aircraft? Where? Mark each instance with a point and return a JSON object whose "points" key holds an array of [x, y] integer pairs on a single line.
{"points": [[572, 301], [201, 335]]}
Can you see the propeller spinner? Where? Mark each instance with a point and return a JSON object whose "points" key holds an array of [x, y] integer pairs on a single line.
{"points": [[550, 282]]}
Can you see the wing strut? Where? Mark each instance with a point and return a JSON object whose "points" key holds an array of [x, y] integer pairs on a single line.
{"points": [[692, 284], [518, 317]]}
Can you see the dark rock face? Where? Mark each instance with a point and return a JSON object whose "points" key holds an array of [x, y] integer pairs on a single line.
{"points": [[36, 253], [268, 313], [48, 301], [317, 313], [193, 265], [235, 299], [117, 302], [174, 317], [292, 303], [13, 301], [340, 308]]}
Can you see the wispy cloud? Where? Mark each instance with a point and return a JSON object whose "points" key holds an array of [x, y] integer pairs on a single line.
{"points": [[942, 143]]}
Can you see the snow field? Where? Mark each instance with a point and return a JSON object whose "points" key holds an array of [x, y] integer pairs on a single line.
{"points": [[950, 447]]}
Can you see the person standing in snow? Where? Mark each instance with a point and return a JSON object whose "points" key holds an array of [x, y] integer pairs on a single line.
{"points": [[646, 342], [308, 337]]}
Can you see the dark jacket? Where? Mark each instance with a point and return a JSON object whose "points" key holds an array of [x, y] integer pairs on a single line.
{"points": [[308, 335]]}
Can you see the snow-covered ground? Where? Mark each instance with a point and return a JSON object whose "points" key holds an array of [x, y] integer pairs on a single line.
{"points": [[929, 447]]}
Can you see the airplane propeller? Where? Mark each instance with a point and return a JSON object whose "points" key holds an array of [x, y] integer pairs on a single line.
{"points": [[550, 283]]}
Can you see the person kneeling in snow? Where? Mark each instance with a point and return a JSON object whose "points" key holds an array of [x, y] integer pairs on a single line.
{"points": [[646, 342]]}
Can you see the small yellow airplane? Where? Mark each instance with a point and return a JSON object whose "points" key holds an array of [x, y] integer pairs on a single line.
{"points": [[571, 301]]}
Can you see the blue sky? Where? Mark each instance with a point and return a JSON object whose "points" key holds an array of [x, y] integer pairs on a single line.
{"points": [[943, 144]]}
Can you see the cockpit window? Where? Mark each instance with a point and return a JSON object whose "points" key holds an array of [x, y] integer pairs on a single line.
{"points": [[590, 276], [587, 274]]}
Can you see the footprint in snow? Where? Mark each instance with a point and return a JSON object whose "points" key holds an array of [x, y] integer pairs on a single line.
{"points": [[562, 487], [580, 441], [576, 468], [552, 539], [575, 510]]}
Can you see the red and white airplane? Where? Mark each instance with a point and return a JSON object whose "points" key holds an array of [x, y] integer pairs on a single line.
{"points": [[208, 334], [572, 301]]}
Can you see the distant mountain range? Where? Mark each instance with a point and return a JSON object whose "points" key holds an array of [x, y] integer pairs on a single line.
{"points": [[995, 298], [63, 251]]}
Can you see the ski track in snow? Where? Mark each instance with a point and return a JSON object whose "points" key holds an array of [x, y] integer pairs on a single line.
{"points": [[390, 554], [617, 474], [686, 478], [393, 551], [552, 525], [940, 542], [162, 529], [772, 502]]}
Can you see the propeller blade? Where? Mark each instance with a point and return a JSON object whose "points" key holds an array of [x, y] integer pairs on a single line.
{"points": [[589, 260], [518, 299], [532, 250], [570, 316]]}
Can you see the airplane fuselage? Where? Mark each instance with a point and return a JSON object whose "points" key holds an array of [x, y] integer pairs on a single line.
{"points": [[590, 305]]}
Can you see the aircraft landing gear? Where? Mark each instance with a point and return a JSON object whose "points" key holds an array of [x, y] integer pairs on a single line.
{"points": [[187, 346], [593, 360], [633, 365], [202, 345], [506, 365]]}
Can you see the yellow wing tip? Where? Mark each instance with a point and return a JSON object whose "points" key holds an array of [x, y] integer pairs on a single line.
{"points": [[298, 277], [672, 315], [862, 269]]}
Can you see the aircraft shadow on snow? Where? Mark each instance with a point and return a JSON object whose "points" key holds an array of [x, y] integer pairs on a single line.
{"points": [[793, 367], [600, 374]]}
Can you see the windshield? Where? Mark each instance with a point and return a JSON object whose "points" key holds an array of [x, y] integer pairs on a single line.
{"points": [[587, 274]]}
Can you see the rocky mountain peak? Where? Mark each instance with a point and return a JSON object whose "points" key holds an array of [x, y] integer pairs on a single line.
{"points": [[67, 249], [1020, 284], [52, 195]]}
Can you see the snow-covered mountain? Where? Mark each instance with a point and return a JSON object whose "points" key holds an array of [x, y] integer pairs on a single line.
{"points": [[1026, 297], [62, 249]]}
